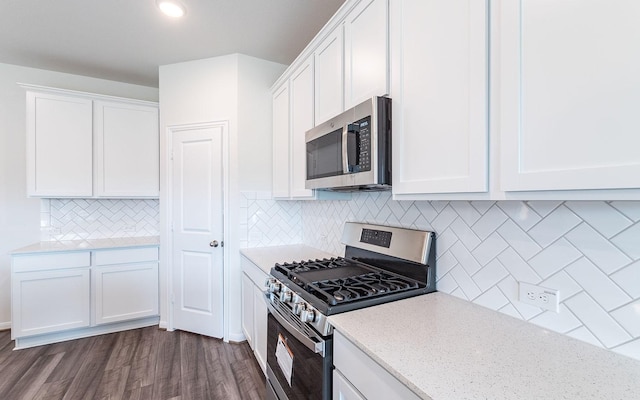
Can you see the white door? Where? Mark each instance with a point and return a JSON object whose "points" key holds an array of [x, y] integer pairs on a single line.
{"points": [[197, 216]]}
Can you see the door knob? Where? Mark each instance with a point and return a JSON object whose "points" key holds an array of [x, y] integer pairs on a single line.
{"points": [[214, 243]]}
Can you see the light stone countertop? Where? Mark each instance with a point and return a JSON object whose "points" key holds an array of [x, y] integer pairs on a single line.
{"points": [[267, 257], [445, 348], [88, 244]]}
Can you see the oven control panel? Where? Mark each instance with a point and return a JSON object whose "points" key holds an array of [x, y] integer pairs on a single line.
{"points": [[376, 237]]}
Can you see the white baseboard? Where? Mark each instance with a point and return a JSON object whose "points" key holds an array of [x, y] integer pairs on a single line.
{"points": [[55, 337], [235, 337], [5, 325]]}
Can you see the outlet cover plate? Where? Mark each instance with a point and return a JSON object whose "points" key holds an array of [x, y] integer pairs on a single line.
{"points": [[538, 296]]}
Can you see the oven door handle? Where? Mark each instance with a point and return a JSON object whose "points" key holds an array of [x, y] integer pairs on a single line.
{"points": [[314, 344]]}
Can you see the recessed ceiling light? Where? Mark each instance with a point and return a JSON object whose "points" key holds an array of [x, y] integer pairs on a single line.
{"points": [[172, 8]]}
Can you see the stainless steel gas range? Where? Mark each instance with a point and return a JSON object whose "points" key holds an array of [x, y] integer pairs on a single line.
{"points": [[381, 264]]}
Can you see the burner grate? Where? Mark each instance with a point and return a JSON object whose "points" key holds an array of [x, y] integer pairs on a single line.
{"points": [[343, 280], [368, 285]]}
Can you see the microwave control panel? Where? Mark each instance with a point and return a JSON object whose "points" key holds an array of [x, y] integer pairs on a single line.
{"points": [[364, 145]]}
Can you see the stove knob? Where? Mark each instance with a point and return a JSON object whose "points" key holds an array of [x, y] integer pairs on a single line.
{"points": [[308, 315], [298, 308], [274, 287], [288, 296]]}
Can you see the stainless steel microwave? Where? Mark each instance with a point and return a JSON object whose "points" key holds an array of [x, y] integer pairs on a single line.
{"points": [[352, 151]]}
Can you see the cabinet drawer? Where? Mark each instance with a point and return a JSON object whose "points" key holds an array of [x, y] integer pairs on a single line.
{"points": [[373, 381], [257, 275], [40, 262], [122, 256]]}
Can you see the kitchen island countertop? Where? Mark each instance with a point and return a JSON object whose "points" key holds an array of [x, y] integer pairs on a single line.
{"points": [[443, 347], [87, 244]]}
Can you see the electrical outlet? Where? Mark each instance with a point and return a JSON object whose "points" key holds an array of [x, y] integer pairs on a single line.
{"points": [[129, 228], [539, 296]]}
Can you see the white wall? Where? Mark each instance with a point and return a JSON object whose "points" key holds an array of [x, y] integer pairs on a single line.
{"points": [[20, 216], [233, 88], [255, 121]]}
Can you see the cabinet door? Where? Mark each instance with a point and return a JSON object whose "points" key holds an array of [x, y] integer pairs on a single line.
{"points": [[281, 152], [260, 327], [301, 121], [342, 389], [124, 292], [247, 309], [127, 150], [59, 146], [569, 94], [440, 96], [50, 301], [367, 52], [329, 82], [358, 369]]}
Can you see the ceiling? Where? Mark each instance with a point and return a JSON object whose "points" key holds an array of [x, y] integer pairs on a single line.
{"points": [[126, 40]]}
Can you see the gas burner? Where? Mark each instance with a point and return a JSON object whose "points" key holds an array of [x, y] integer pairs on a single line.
{"points": [[313, 265], [368, 285]]}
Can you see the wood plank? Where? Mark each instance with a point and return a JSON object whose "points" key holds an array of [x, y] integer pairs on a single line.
{"points": [[86, 382], [53, 390], [33, 379], [16, 365], [167, 369], [195, 384], [143, 365]]}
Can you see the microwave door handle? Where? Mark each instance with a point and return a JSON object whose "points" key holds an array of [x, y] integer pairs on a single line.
{"points": [[345, 149], [353, 147]]}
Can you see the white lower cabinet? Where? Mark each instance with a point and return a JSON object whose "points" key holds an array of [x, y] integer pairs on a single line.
{"points": [[254, 310], [247, 309], [67, 295], [359, 377], [50, 301], [260, 326], [343, 390], [126, 290]]}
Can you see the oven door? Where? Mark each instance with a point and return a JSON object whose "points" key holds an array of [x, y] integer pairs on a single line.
{"points": [[298, 366]]}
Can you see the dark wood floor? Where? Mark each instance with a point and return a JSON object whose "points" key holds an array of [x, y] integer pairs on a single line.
{"points": [[141, 364]]}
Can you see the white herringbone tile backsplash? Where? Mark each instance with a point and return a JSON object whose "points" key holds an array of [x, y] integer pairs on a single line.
{"points": [[266, 222], [74, 219], [589, 250]]}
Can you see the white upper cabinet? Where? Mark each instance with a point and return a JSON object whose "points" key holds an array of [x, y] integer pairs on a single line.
{"points": [[85, 145], [439, 89], [59, 145], [292, 117], [366, 48], [569, 95], [281, 132], [127, 150], [301, 121], [329, 76]]}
